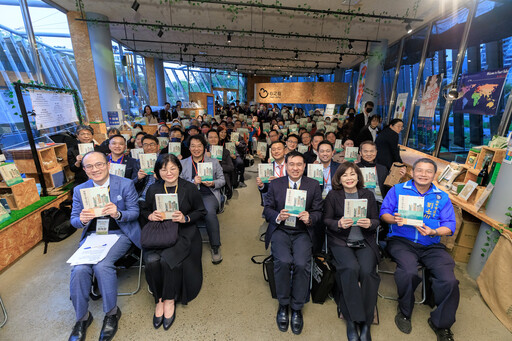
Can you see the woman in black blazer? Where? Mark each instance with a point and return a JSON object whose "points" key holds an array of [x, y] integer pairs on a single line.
{"points": [[369, 132], [174, 273], [387, 144], [355, 251]]}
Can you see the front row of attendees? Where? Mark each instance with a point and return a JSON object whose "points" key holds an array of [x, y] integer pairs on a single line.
{"points": [[174, 272]]}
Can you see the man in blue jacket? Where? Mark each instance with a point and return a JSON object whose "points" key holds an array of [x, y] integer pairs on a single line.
{"points": [[119, 217], [412, 245]]}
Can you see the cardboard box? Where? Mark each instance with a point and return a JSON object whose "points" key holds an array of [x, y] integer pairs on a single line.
{"points": [[461, 253], [469, 231], [394, 174]]}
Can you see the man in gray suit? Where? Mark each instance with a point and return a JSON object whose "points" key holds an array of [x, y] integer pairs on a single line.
{"points": [[210, 190], [119, 217]]}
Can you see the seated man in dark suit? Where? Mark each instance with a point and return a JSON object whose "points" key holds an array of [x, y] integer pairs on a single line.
{"points": [[312, 155], [117, 146], [120, 217], [291, 240]]}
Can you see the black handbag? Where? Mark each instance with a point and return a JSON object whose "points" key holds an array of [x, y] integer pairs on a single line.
{"points": [[268, 272], [322, 278], [159, 234]]}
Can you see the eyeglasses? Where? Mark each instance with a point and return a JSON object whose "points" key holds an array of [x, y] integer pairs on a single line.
{"points": [[149, 144], [98, 165], [169, 170]]}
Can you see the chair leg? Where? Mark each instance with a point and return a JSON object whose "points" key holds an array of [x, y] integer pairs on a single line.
{"points": [[138, 280], [423, 286], [4, 312]]}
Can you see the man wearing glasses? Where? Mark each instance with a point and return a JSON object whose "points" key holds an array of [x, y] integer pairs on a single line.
{"points": [[119, 217], [150, 146]]}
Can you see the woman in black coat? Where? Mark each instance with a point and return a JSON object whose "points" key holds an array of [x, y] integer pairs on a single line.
{"points": [[174, 273], [355, 250], [387, 144], [226, 163]]}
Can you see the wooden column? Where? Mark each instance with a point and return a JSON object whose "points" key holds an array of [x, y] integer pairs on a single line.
{"points": [[151, 80]]}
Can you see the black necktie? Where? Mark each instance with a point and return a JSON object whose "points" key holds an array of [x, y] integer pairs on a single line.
{"points": [[295, 186]]}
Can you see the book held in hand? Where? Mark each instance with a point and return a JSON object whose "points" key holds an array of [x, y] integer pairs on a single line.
{"points": [[147, 162], [10, 174], [316, 171], [411, 209], [84, 148], [338, 146], [95, 199], [175, 148], [136, 152], [205, 171], [162, 141], [295, 201], [167, 204], [235, 136], [351, 154], [230, 146], [302, 148], [216, 152], [369, 176], [355, 209], [265, 171], [266, 127], [117, 169], [262, 148]]}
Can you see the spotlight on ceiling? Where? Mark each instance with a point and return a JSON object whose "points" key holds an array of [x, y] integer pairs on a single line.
{"points": [[291, 75], [316, 66], [160, 33], [135, 6], [350, 47], [408, 27], [194, 58], [229, 75], [341, 57], [453, 94], [337, 65], [254, 74], [229, 37], [296, 54], [236, 67], [185, 49]]}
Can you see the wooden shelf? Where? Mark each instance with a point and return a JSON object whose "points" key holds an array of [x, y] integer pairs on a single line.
{"points": [[47, 155]]}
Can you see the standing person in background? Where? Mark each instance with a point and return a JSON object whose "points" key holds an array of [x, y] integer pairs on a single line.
{"points": [[176, 110], [362, 120], [164, 114], [387, 143]]}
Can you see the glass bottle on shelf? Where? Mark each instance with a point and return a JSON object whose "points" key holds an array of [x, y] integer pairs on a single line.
{"points": [[483, 176]]}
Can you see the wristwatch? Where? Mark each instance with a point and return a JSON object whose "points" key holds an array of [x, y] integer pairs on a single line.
{"points": [[187, 219]]}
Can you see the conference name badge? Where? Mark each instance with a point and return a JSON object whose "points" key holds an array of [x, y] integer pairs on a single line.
{"points": [[102, 226]]}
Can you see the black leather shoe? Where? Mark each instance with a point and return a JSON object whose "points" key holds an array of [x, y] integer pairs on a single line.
{"points": [[282, 318], [352, 334], [109, 328], [443, 334], [365, 332], [80, 329], [157, 321], [169, 321], [403, 322], [297, 322]]}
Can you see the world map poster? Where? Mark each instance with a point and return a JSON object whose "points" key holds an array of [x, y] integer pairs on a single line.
{"points": [[481, 92]]}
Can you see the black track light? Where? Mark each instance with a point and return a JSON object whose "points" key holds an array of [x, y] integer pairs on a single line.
{"points": [[254, 74], [316, 66], [408, 28], [236, 67], [296, 54], [135, 6], [291, 75], [185, 49], [341, 57], [194, 58], [337, 65], [229, 37], [350, 47], [160, 33]]}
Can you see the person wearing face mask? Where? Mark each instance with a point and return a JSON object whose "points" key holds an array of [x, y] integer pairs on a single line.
{"points": [[177, 136], [355, 251], [163, 131], [168, 268], [84, 135], [370, 131], [117, 146], [362, 119]]}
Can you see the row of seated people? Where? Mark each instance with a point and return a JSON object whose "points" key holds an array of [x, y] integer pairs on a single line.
{"points": [[292, 239]]}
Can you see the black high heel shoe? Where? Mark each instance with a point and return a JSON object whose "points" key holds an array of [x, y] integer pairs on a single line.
{"points": [[157, 321], [167, 322]]}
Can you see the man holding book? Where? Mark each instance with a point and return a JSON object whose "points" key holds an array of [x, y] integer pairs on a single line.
{"points": [[277, 150], [118, 216], [122, 163], [293, 207], [418, 242]]}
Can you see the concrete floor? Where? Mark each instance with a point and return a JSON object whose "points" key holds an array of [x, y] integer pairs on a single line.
{"points": [[234, 303]]}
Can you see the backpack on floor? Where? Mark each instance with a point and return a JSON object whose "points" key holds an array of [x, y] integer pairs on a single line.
{"points": [[56, 223]]}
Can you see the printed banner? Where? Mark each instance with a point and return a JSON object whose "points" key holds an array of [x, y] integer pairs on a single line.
{"points": [[430, 96]]}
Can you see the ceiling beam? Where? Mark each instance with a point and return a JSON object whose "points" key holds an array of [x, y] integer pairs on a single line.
{"points": [[279, 7], [242, 47], [225, 30]]}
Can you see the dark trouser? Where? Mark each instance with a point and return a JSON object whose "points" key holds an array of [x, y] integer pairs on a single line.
{"points": [[239, 168], [229, 185], [162, 280], [445, 286], [357, 281], [292, 252], [212, 222]]}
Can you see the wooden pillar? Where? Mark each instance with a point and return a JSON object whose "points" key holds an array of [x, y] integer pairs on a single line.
{"points": [[85, 66], [151, 80]]}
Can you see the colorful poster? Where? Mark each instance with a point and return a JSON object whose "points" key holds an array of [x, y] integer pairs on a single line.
{"points": [[430, 96], [481, 92], [401, 104], [361, 83]]}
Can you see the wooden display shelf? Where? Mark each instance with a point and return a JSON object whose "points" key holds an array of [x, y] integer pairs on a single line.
{"points": [[409, 156], [98, 127], [54, 178], [49, 157], [20, 195]]}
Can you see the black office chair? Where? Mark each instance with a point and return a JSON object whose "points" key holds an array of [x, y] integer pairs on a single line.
{"points": [[132, 256], [382, 247]]}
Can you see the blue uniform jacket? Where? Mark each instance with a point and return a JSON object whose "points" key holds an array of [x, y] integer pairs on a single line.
{"points": [[438, 212]]}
